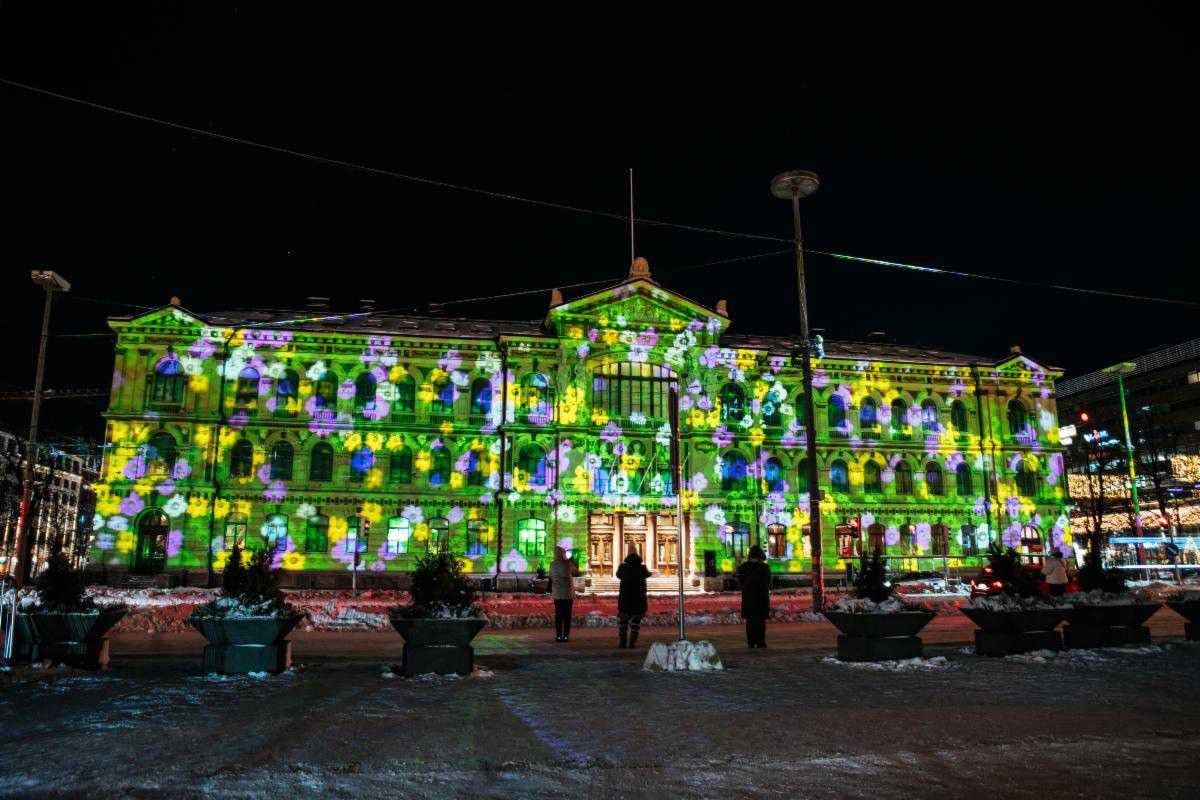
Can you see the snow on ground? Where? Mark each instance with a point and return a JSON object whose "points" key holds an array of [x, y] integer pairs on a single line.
{"points": [[901, 665], [1088, 656], [558, 720]]}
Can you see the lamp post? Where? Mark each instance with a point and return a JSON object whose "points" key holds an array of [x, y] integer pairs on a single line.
{"points": [[792, 186], [50, 282], [1120, 370]]}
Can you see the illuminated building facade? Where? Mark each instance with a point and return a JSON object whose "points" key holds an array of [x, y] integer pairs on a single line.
{"points": [[374, 439]]}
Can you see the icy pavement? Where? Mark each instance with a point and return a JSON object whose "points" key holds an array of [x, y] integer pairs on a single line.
{"points": [[583, 720]]}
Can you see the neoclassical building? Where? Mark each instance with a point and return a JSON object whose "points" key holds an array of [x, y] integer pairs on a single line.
{"points": [[362, 442]]}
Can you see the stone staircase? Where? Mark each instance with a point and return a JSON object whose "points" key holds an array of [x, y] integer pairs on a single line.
{"points": [[655, 584]]}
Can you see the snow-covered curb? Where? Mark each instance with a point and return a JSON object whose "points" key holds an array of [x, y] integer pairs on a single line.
{"points": [[903, 665], [1004, 602], [1084, 656]]}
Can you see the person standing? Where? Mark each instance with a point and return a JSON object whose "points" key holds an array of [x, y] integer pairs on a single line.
{"points": [[1056, 574], [631, 602], [562, 590], [754, 575]]}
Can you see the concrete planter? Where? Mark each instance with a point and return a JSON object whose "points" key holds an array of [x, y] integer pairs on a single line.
{"points": [[246, 644], [441, 646], [1189, 610], [75, 638], [1005, 633], [1108, 625], [879, 637]]}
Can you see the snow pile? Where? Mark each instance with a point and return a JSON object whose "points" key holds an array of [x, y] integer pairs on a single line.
{"points": [[862, 605], [1005, 602], [902, 665], [1081, 657], [936, 587], [237, 608], [1097, 597], [331, 616], [682, 657], [150, 598]]}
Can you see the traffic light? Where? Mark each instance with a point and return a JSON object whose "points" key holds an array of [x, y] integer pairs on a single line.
{"points": [[1083, 416]]}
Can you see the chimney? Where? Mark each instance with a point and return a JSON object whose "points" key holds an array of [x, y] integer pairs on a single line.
{"points": [[640, 268], [175, 301], [723, 307], [1016, 348], [555, 298]]}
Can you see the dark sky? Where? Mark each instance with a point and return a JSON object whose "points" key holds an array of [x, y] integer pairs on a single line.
{"points": [[1050, 146]]}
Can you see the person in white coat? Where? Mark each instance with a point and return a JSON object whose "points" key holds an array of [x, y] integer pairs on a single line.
{"points": [[1056, 573]]}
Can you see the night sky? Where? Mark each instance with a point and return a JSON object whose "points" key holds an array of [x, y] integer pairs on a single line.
{"points": [[1043, 146]]}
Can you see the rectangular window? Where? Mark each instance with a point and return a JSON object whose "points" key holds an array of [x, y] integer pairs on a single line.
{"points": [[316, 535], [776, 541], [846, 539], [479, 537], [235, 532], [531, 538], [1194, 377], [737, 541], [399, 531]]}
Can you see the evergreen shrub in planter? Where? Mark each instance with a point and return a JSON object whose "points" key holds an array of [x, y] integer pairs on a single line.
{"points": [[875, 625], [58, 622], [247, 626], [1020, 618], [441, 621], [1105, 613]]}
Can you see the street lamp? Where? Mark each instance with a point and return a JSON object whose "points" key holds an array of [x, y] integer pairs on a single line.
{"points": [[50, 282], [1120, 370], [792, 186]]}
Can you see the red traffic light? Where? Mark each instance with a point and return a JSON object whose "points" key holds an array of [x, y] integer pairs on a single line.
{"points": [[1083, 416]]}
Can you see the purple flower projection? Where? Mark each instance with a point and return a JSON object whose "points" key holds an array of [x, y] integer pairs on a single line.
{"points": [[181, 470], [165, 488], [704, 403], [346, 390], [722, 437], [451, 361], [981, 506], [260, 337], [611, 432], [891, 535], [238, 420], [202, 349], [135, 468], [1055, 469], [323, 422], [174, 543], [275, 492], [132, 504], [820, 378], [1012, 506], [1012, 535], [923, 536]]}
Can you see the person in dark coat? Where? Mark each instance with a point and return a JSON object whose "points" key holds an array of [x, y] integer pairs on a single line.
{"points": [[631, 603], [754, 575]]}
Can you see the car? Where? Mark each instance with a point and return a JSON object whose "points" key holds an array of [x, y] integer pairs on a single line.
{"points": [[987, 583]]}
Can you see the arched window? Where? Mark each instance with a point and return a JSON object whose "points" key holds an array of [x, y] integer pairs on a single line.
{"points": [[1018, 419], [623, 388], [479, 537], [160, 454], [868, 416], [802, 476], [241, 459], [933, 480], [963, 482], [531, 538], [235, 531], [320, 466], [439, 467], [1031, 539], [361, 463], [364, 391], [968, 541], [481, 399], [400, 470], [801, 411], [316, 534], [442, 404], [773, 475], [281, 461], [275, 532], [733, 403], [475, 476], [535, 396], [325, 391], [900, 428], [1027, 480], [929, 417], [872, 478], [836, 415], [439, 535], [875, 541], [152, 532], [733, 472], [406, 395], [166, 385], [399, 531], [839, 476], [287, 394], [776, 541], [247, 386], [532, 463], [904, 478], [958, 417]]}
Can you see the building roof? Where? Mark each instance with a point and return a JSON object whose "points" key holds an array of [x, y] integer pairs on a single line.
{"points": [[1156, 359]]}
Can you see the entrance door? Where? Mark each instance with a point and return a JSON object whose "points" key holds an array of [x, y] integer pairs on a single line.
{"points": [[666, 544], [601, 532], [151, 554], [635, 530]]}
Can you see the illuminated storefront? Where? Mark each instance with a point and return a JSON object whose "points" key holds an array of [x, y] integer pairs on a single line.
{"points": [[374, 439]]}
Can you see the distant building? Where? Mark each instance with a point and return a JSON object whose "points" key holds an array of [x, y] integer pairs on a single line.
{"points": [[63, 496], [375, 439], [1162, 395]]}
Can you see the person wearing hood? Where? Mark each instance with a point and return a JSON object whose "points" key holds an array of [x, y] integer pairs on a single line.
{"points": [[562, 590], [754, 575], [631, 602]]}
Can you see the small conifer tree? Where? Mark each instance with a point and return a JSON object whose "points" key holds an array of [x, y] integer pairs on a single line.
{"points": [[872, 583]]}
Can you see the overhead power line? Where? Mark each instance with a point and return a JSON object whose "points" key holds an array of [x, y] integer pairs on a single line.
{"points": [[624, 218]]}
